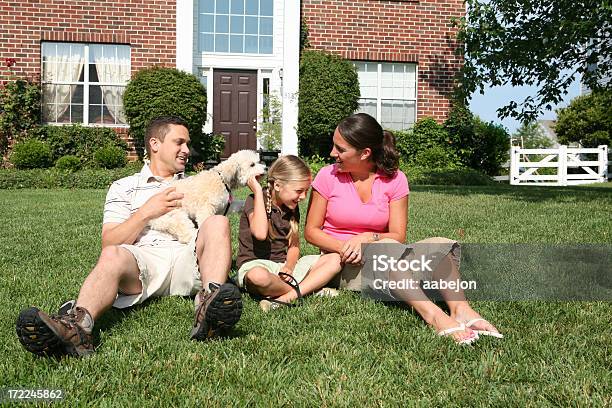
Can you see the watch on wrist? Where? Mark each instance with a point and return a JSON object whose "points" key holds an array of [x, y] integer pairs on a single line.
{"points": [[375, 236]]}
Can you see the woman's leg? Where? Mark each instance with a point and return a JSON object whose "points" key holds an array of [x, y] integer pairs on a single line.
{"points": [[459, 308], [321, 273], [259, 280]]}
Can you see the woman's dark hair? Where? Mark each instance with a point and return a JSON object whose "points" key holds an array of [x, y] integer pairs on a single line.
{"points": [[362, 130]]}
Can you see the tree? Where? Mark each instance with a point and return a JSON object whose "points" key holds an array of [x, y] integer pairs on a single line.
{"points": [[587, 120], [531, 136], [535, 42]]}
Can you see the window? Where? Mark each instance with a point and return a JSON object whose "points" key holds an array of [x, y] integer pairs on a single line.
{"points": [[236, 26], [388, 93], [84, 83]]}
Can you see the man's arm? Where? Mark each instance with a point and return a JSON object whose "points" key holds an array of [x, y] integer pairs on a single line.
{"points": [[128, 231]]}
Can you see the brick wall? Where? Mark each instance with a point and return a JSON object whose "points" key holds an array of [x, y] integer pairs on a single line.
{"points": [[149, 27], [418, 31]]}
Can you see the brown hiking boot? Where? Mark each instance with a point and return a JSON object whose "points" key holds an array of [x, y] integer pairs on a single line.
{"points": [[216, 311], [55, 335]]}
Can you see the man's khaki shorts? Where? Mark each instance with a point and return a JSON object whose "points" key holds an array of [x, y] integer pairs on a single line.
{"points": [[302, 267], [165, 269]]}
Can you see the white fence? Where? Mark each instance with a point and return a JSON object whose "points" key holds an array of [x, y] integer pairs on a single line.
{"points": [[525, 171]]}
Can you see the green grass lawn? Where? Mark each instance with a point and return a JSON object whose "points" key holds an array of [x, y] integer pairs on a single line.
{"points": [[345, 351]]}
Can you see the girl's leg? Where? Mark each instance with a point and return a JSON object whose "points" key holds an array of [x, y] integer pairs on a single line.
{"points": [[260, 281], [326, 267]]}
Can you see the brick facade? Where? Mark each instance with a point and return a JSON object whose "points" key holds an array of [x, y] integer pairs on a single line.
{"points": [[149, 27], [418, 31]]}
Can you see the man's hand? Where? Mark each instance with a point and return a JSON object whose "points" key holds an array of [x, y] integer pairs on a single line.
{"points": [[161, 203]]}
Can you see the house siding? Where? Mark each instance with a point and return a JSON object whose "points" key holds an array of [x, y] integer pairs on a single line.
{"points": [[149, 27], [394, 31]]}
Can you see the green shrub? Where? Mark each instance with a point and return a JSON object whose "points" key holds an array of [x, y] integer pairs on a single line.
{"points": [[450, 177], [425, 134], [110, 157], [436, 157], [587, 120], [31, 154], [316, 163], [158, 91], [329, 92], [68, 163], [20, 103], [77, 140], [54, 178]]}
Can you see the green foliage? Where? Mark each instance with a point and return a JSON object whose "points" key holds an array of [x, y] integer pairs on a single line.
{"points": [[418, 175], [427, 144], [158, 91], [270, 130], [587, 120], [110, 157], [535, 42], [304, 42], [56, 178], [77, 140], [329, 92], [31, 154], [316, 163], [530, 136], [68, 163], [20, 102]]}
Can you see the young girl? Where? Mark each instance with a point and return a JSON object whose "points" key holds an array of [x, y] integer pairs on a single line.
{"points": [[269, 244]]}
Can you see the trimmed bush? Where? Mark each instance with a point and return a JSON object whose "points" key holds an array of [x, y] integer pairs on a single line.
{"points": [[31, 154], [20, 103], [436, 157], [68, 163], [316, 163], [329, 92], [427, 144], [110, 157], [77, 140], [158, 91], [587, 120], [448, 177]]}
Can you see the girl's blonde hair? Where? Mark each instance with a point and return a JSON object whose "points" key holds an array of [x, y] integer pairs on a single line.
{"points": [[284, 170]]}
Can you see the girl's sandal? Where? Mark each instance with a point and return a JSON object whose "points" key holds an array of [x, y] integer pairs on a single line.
{"points": [[268, 304]]}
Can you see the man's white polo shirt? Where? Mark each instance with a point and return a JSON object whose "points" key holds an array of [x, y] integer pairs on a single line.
{"points": [[127, 195]]}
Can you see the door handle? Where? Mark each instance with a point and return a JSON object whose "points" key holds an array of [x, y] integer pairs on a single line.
{"points": [[254, 127]]}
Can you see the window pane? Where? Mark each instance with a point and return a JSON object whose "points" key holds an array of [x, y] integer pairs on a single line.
{"points": [[207, 6], [221, 43], [237, 6], [207, 23], [265, 45], [397, 115], [265, 26], [237, 25], [237, 43], [77, 94], [49, 113], [252, 7], [95, 94], [222, 7], [367, 106], [76, 113], [250, 43], [95, 114], [265, 8], [221, 24], [251, 25], [207, 42]]}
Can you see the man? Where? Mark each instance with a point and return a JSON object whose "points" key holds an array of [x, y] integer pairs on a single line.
{"points": [[137, 263]]}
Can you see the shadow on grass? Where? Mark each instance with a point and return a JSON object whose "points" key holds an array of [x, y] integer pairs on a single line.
{"points": [[524, 193]]}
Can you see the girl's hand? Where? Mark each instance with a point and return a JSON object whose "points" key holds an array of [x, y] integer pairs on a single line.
{"points": [[288, 271], [254, 185], [351, 250]]}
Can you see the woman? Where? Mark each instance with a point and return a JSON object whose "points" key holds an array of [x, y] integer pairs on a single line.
{"points": [[363, 198]]}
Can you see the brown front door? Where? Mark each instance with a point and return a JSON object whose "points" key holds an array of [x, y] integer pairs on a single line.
{"points": [[235, 109]]}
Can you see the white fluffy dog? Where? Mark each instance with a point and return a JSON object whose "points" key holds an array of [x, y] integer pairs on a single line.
{"points": [[208, 193]]}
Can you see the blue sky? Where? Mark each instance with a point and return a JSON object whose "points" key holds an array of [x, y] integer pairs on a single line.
{"points": [[486, 105]]}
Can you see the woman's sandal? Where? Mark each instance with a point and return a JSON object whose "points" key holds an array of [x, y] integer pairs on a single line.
{"points": [[268, 303], [461, 327]]}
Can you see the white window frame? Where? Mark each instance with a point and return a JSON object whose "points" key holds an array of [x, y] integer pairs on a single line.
{"points": [[86, 84], [379, 97]]}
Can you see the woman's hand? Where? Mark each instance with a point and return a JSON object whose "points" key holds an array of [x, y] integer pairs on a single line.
{"points": [[351, 250]]}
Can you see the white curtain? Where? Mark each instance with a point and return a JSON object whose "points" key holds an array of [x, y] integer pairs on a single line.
{"points": [[62, 64], [113, 66]]}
